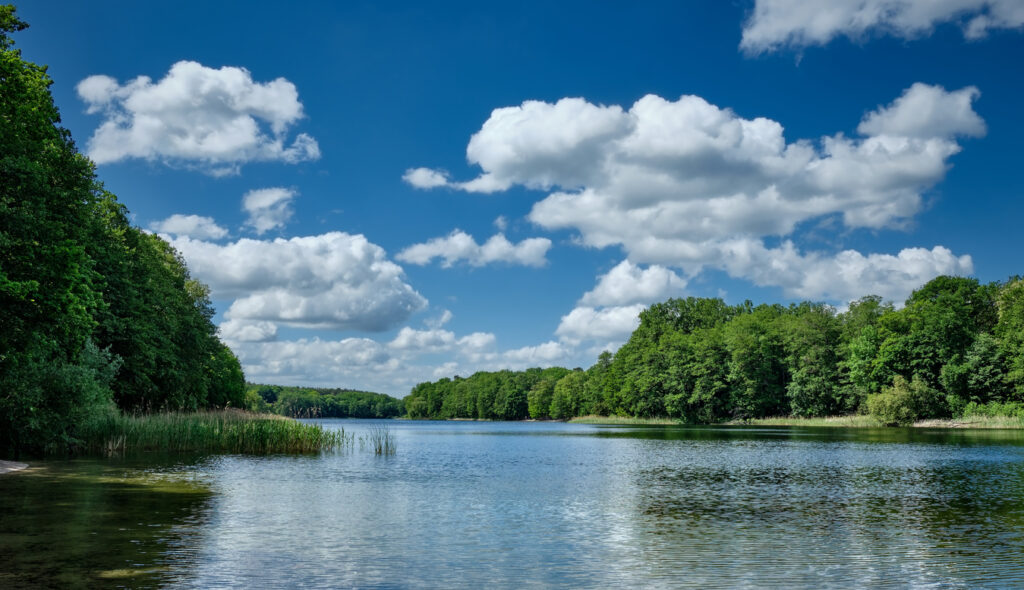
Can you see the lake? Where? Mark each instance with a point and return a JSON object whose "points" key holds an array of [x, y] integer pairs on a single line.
{"points": [[480, 504]]}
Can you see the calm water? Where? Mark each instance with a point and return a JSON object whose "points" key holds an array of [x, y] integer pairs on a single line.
{"points": [[516, 504]]}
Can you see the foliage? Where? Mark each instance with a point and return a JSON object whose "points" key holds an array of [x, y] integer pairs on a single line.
{"points": [[231, 431], [302, 402], [994, 410], [94, 311], [905, 402], [955, 343]]}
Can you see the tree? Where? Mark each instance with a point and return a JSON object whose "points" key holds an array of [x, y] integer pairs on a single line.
{"points": [[539, 399], [757, 370], [50, 370], [568, 394], [1010, 330]]}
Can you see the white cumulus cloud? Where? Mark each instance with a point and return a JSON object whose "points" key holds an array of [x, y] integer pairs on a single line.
{"points": [[268, 208], [459, 246], [334, 280], [927, 111], [676, 183], [586, 323], [627, 283], [247, 331], [425, 177], [775, 24], [212, 119], [843, 277], [423, 340], [193, 226]]}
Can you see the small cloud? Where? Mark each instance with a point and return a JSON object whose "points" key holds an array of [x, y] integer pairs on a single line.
{"points": [[435, 323], [268, 208], [425, 178], [460, 246], [238, 330], [193, 226]]}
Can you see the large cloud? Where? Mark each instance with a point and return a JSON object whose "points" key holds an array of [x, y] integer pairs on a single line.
{"points": [[460, 246], [844, 276], [213, 119], [774, 24], [334, 280], [677, 183]]}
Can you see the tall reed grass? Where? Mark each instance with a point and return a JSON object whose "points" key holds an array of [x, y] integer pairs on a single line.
{"points": [[228, 431], [381, 440]]}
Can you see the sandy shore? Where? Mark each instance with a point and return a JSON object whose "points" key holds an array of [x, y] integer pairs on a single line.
{"points": [[9, 466]]}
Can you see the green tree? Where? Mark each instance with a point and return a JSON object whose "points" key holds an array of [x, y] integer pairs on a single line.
{"points": [[757, 368], [1010, 330], [567, 396], [539, 399]]}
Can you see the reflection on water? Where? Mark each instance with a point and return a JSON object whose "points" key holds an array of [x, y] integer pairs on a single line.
{"points": [[88, 524], [518, 504]]}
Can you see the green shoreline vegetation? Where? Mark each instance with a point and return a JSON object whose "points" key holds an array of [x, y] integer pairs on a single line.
{"points": [[222, 431], [108, 343], [320, 402], [952, 355], [851, 421]]}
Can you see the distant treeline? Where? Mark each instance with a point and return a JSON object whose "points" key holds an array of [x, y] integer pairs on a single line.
{"points": [[318, 402], [956, 344], [93, 311], [504, 395]]}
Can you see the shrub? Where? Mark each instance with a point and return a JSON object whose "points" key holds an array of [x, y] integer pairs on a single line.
{"points": [[904, 402]]}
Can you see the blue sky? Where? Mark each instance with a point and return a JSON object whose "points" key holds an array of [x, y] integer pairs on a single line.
{"points": [[384, 194]]}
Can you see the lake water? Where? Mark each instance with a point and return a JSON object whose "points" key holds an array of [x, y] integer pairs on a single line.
{"points": [[473, 504]]}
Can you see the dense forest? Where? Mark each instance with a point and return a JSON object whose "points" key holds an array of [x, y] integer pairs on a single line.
{"points": [[318, 402], [956, 346], [96, 314]]}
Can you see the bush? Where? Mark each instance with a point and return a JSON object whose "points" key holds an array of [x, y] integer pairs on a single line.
{"points": [[903, 403], [994, 409]]}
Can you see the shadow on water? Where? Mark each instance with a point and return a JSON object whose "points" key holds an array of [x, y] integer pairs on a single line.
{"points": [[944, 436], [98, 523]]}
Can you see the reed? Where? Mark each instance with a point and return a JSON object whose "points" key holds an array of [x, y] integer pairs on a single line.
{"points": [[852, 421], [595, 419], [227, 431], [381, 440]]}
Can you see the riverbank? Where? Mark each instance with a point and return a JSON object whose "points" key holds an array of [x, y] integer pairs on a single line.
{"points": [[855, 421], [11, 466]]}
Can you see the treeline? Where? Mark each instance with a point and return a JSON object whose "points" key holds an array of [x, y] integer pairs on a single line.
{"points": [[955, 345], [502, 395], [93, 311], [318, 402]]}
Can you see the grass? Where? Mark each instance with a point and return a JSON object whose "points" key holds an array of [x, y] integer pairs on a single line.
{"points": [[989, 422], [854, 421], [593, 419], [227, 431], [380, 440]]}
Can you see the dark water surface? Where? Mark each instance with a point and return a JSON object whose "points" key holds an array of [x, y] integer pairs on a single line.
{"points": [[468, 504]]}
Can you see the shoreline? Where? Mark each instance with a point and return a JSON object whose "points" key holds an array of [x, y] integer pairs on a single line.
{"points": [[855, 421], [11, 466]]}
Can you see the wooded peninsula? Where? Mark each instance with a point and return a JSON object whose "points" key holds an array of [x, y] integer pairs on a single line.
{"points": [[955, 348]]}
